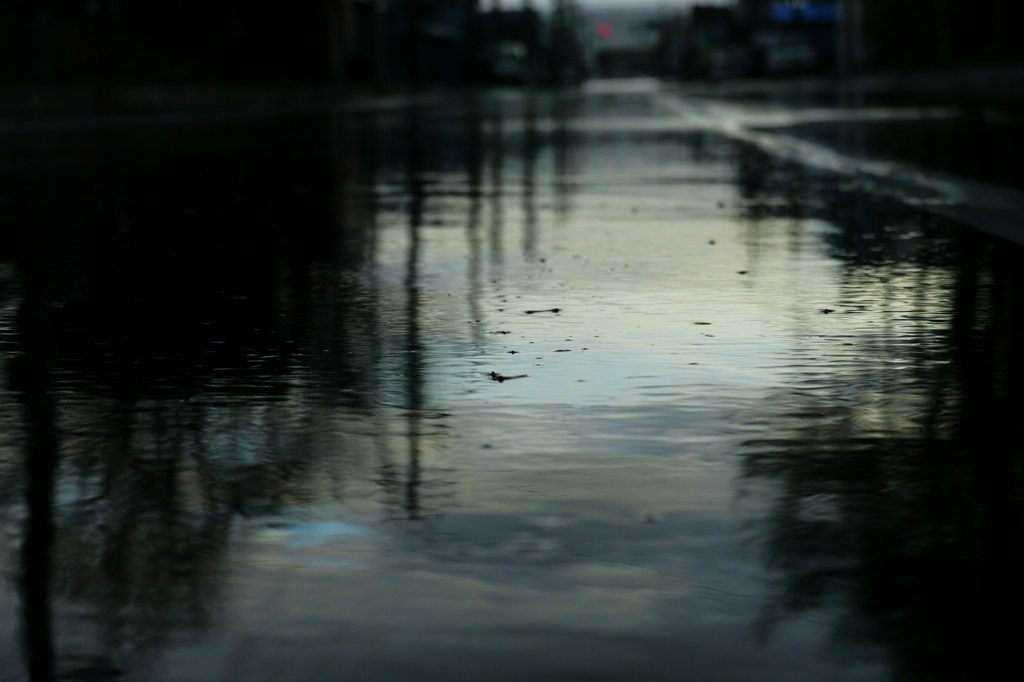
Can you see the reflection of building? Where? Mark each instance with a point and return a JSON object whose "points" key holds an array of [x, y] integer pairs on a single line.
{"points": [[238, 352]]}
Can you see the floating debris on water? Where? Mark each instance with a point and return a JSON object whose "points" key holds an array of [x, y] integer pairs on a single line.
{"points": [[502, 378]]}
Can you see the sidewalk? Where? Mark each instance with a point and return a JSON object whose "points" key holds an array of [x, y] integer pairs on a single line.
{"points": [[77, 100], [32, 105], [953, 157], [78, 107], [996, 84]]}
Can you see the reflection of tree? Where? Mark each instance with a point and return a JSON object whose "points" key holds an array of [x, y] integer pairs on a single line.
{"points": [[184, 367], [496, 146], [475, 154], [563, 107], [874, 231], [531, 150], [11, 418], [145, 564], [898, 488], [229, 352], [413, 343], [33, 376]]}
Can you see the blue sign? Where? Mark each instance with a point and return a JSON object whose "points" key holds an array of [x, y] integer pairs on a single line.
{"points": [[792, 13]]}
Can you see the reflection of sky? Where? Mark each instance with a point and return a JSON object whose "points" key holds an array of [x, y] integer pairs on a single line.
{"points": [[595, 499], [634, 270]]}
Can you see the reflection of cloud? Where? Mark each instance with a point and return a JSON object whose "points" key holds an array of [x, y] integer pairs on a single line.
{"points": [[316, 533]]}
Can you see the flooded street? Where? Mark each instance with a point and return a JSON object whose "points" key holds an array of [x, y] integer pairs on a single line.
{"points": [[567, 385]]}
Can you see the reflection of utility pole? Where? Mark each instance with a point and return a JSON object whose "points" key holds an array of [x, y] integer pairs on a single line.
{"points": [[414, 347], [33, 374], [496, 144], [531, 150], [475, 147]]}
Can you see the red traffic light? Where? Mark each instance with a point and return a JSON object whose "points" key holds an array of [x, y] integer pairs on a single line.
{"points": [[605, 30]]}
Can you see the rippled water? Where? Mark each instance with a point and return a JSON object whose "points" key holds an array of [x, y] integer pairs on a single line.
{"points": [[549, 386]]}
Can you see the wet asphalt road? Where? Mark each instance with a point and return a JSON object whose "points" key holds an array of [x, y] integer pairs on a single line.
{"points": [[602, 384]]}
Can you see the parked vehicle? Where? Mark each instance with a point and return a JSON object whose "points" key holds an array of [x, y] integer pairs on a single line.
{"points": [[790, 57], [507, 62]]}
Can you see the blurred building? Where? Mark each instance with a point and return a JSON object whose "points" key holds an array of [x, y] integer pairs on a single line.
{"points": [[425, 41], [942, 32], [788, 36], [848, 35], [670, 50], [315, 42], [710, 45], [80, 40], [566, 52], [622, 41]]}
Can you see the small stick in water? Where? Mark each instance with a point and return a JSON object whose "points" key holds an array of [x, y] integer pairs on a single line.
{"points": [[502, 378]]}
